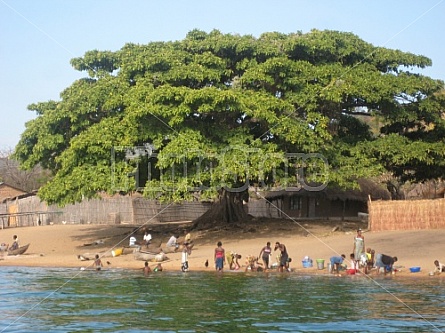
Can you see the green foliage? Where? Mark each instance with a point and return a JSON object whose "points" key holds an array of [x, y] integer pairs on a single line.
{"points": [[219, 110]]}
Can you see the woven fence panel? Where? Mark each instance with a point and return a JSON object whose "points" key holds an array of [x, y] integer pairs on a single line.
{"points": [[148, 211], [28, 211], [406, 214], [95, 211], [31, 211], [264, 208]]}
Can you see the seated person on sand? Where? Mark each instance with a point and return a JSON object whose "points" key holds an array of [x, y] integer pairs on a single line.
{"points": [[386, 262], [15, 244], [172, 245], [439, 267], [173, 242], [133, 242]]}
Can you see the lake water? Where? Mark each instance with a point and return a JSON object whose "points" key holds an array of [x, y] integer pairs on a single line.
{"points": [[69, 300]]}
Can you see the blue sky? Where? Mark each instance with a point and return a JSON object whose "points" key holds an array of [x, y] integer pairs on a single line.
{"points": [[38, 38]]}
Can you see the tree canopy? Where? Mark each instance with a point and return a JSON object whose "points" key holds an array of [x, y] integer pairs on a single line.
{"points": [[221, 111]]}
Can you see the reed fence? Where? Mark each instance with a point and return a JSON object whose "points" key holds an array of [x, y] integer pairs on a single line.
{"points": [[406, 214], [30, 211]]}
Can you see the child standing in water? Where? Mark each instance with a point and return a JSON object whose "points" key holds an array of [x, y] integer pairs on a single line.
{"points": [[98, 263], [220, 257], [147, 269]]}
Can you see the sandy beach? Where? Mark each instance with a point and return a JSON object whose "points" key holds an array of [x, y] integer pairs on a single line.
{"points": [[60, 245]]}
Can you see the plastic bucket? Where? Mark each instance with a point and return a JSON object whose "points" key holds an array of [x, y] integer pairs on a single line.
{"points": [[320, 263], [307, 264], [117, 252], [329, 267]]}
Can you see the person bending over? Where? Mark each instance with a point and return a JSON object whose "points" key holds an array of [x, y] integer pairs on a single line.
{"points": [[336, 261]]}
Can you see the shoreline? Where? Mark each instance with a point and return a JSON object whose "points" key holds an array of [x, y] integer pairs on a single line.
{"points": [[58, 246], [298, 272]]}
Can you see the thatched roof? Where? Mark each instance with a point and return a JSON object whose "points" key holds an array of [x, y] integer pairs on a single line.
{"points": [[368, 189]]}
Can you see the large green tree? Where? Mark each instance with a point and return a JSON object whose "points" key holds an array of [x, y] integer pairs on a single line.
{"points": [[215, 113]]}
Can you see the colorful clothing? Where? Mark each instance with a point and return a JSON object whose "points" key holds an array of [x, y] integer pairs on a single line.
{"points": [[266, 252], [219, 258], [219, 263], [230, 257]]}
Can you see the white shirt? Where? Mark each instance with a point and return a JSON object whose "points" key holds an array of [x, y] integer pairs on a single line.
{"points": [[147, 237], [353, 265], [172, 241]]}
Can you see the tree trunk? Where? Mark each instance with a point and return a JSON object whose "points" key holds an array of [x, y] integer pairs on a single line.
{"points": [[227, 210]]}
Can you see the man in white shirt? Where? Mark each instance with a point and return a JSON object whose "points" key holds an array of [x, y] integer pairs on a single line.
{"points": [[173, 242], [132, 241], [147, 238]]}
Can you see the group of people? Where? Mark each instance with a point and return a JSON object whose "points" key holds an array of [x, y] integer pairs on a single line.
{"points": [[173, 243], [362, 260], [146, 240], [252, 262], [186, 248]]}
